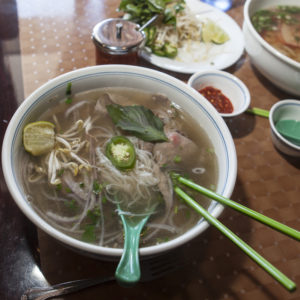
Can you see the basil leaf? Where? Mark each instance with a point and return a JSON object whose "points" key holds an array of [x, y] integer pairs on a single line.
{"points": [[89, 234], [94, 216], [71, 204], [139, 121], [123, 4], [96, 188], [133, 9], [69, 89], [158, 4]]}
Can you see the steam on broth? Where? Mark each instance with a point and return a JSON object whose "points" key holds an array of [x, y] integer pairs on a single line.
{"points": [[75, 186], [280, 27]]}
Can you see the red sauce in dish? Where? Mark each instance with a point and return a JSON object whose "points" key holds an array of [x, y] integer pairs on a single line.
{"points": [[221, 103]]}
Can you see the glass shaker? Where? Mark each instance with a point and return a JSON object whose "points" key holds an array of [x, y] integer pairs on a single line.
{"points": [[117, 41]]}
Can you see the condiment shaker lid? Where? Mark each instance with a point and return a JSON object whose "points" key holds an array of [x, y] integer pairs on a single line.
{"points": [[118, 36]]}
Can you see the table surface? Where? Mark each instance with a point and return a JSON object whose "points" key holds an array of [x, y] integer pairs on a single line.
{"points": [[42, 39]]}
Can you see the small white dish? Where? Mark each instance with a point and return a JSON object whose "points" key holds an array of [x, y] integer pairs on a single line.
{"points": [[232, 87], [288, 109], [195, 56]]}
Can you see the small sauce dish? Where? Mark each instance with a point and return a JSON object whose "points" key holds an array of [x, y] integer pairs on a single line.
{"points": [[288, 109], [228, 85]]}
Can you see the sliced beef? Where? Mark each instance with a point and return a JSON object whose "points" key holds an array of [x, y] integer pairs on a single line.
{"points": [[290, 34], [147, 146], [163, 108], [178, 146], [102, 102]]}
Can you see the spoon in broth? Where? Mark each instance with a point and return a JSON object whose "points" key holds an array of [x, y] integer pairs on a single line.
{"points": [[134, 217], [134, 211]]}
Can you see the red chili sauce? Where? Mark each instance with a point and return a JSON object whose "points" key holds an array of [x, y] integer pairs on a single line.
{"points": [[221, 103]]}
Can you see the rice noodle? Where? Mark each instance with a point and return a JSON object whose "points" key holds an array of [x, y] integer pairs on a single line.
{"points": [[163, 227], [68, 174], [75, 107], [58, 218], [137, 183]]}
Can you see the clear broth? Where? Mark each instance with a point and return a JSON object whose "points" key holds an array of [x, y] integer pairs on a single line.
{"points": [[49, 200]]}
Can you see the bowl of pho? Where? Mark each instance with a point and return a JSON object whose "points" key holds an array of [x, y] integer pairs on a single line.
{"points": [[272, 39], [97, 138]]}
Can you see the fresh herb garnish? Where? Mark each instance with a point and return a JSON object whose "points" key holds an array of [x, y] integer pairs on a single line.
{"points": [[139, 121], [94, 216], [96, 188], [60, 172], [69, 89], [162, 240], [175, 209], [268, 19], [58, 187], [289, 9], [263, 20], [89, 234], [69, 93], [177, 159], [68, 190], [71, 204], [142, 11], [93, 220], [69, 100], [104, 199]]}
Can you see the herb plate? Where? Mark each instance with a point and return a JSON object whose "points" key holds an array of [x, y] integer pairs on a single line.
{"points": [[197, 55]]}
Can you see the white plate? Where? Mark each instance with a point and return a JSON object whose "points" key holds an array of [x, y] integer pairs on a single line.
{"points": [[218, 56]]}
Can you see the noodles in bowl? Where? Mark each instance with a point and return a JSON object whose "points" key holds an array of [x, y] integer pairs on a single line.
{"points": [[77, 182], [72, 190], [280, 27]]}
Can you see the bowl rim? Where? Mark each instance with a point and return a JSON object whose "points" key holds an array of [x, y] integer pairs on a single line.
{"points": [[13, 187], [274, 108], [227, 76], [266, 45]]}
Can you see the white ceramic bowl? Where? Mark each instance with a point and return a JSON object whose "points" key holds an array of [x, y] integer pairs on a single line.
{"points": [[121, 76], [231, 86], [284, 110], [281, 70]]}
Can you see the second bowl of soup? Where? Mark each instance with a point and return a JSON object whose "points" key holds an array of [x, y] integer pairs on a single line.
{"points": [[272, 40]]}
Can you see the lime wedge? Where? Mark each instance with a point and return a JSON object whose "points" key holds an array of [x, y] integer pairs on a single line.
{"points": [[38, 137], [211, 32]]}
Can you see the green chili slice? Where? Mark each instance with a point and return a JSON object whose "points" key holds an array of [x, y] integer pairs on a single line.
{"points": [[120, 151]]}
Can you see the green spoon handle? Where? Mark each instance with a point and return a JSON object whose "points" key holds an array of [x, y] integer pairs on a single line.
{"points": [[128, 271]]}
